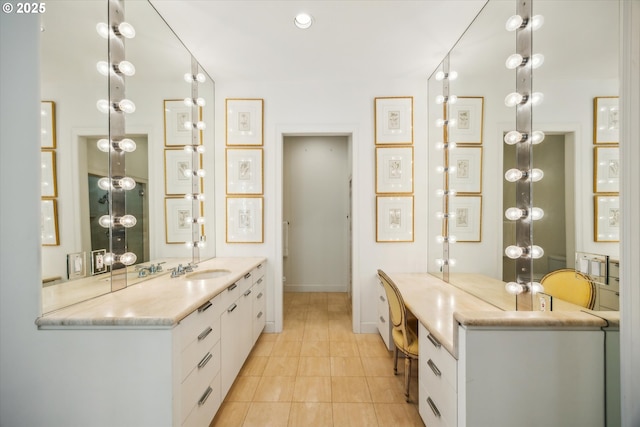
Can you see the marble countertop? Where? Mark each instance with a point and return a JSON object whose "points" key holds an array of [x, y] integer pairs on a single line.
{"points": [[440, 307], [157, 302]]}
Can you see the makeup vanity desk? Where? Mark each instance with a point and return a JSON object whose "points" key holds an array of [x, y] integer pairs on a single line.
{"points": [[485, 364]]}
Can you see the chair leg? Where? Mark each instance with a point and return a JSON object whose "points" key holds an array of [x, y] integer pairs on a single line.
{"points": [[395, 361], [407, 377]]}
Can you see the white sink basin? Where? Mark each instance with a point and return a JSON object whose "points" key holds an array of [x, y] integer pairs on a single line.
{"points": [[208, 274]]}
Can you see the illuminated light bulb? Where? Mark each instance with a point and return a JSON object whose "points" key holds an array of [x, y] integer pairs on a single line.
{"points": [[442, 262], [441, 215], [441, 75], [127, 145], [537, 22], [442, 169], [514, 214], [126, 30], [103, 67], [514, 61], [514, 22], [513, 99], [128, 221], [105, 221], [537, 60], [536, 252], [536, 287], [108, 258], [514, 288], [188, 172], [440, 123], [126, 68], [104, 145], [104, 183], [536, 98], [201, 173], [449, 192], [513, 175], [453, 75], [128, 258], [127, 106], [537, 137], [201, 244], [188, 125], [451, 99], [514, 252], [189, 244], [201, 125], [442, 239], [191, 101], [513, 137], [200, 220], [537, 213], [127, 183], [189, 78], [102, 29], [536, 174], [103, 106]]}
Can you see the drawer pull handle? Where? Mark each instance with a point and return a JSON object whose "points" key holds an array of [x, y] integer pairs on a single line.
{"points": [[247, 293], [205, 396], [382, 319], [204, 333], [382, 299], [232, 287], [260, 280], [204, 306], [434, 341], [259, 295], [233, 307], [246, 276], [434, 368], [259, 315], [205, 360], [617, 294], [433, 407]]}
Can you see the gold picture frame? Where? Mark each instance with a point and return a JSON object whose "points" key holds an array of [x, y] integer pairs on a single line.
{"points": [[49, 234], [394, 219], [467, 113], [393, 120], [176, 115], [606, 120], [606, 169], [606, 218], [48, 124], [48, 181], [244, 121], [244, 171], [245, 220], [394, 170]]}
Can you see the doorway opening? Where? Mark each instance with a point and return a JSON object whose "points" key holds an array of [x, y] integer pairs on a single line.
{"points": [[316, 213]]}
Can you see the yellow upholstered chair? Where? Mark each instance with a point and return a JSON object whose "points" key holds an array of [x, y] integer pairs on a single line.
{"points": [[571, 286], [405, 329]]}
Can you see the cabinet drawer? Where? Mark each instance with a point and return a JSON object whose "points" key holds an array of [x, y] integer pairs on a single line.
{"points": [[609, 299], [195, 386], [431, 412], [197, 349], [441, 359], [258, 273], [443, 396], [202, 414], [198, 321], [235, 290]]}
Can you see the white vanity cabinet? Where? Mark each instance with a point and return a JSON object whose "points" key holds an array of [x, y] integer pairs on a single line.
{"points": [[508, 376], [238, 323], [384, 320], [199, 373]]}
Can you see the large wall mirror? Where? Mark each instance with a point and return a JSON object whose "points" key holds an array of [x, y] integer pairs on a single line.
{"points": [[580, 66], [73, 240]]}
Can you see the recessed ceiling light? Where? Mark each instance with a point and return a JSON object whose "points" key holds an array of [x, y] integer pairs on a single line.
{"points": [[303, 20]]}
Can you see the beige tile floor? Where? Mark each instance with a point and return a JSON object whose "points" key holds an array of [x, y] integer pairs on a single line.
{"points": [[317, 373]]}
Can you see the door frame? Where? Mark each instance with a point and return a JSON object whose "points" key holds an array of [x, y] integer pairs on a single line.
{"points": [[351, 132]]}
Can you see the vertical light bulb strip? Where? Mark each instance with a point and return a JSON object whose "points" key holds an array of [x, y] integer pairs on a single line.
{"points": [[196, 179], [117, 207], [445, 176], [524, 156]]}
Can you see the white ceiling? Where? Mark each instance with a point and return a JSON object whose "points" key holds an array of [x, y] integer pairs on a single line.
{"points": [[350, 40]]}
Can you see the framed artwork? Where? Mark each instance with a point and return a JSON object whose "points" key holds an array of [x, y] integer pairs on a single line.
{"points": [[606, 218], [606, 170], [48, 124], [245, 220], [244, 170], [179, 223], [606, 120], [48, 174], [76, 265], [97, 262], [49, 222], [468, 114], [466, 226], [394, 170], [176, 163], [467, 176], [244, 121], [394, 120], [177, 116], [394, 219]]}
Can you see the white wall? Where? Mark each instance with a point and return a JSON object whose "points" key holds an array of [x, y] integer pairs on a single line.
{"points": [[329, 107]]}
